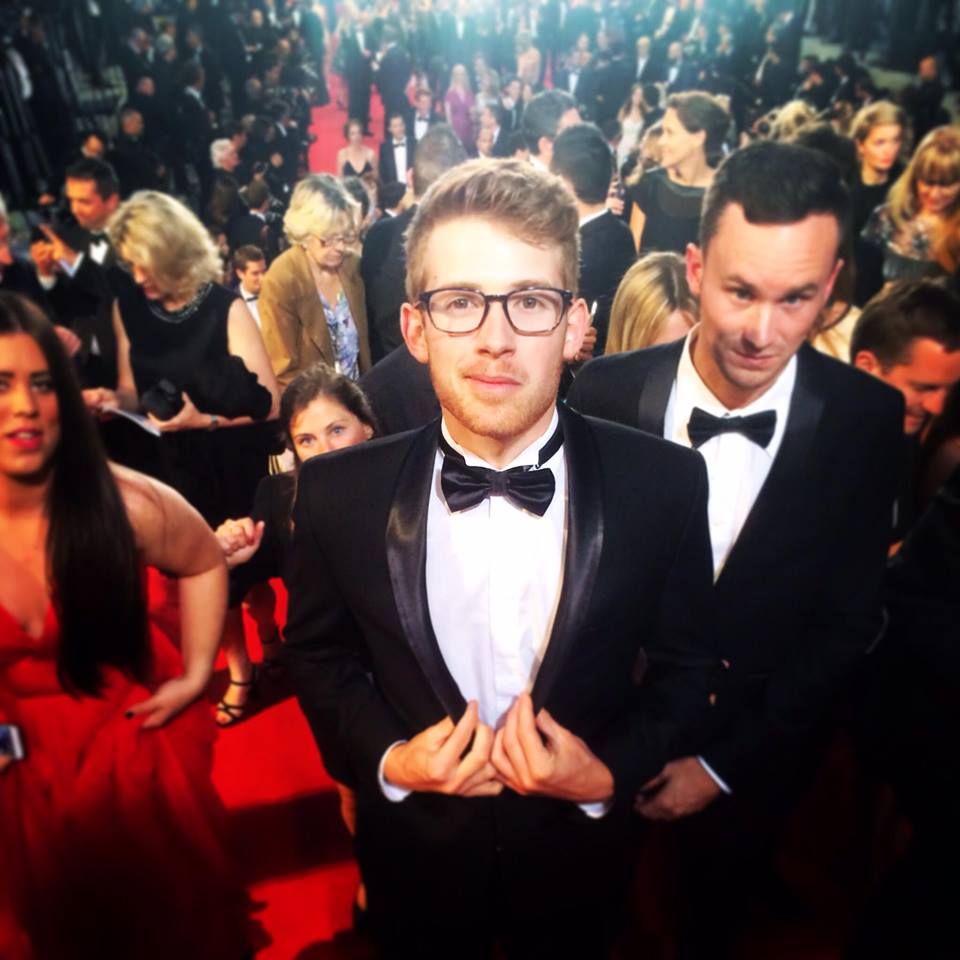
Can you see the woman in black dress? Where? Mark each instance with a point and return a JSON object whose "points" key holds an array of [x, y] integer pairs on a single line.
{"points": [[190, 356], [666, 201], [356, 158], [320, 411]]}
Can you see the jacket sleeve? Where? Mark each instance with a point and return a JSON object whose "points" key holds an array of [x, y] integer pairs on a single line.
{"points": [[280, 326]]}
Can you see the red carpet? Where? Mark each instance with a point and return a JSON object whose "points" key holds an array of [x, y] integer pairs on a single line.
{"points": [[327, 127]]}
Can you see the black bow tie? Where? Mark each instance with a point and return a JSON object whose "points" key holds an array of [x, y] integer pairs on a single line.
{"points": [[526, 487], [250, 299], [758, 427]]}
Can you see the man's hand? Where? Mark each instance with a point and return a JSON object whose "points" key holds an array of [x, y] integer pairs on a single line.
{"points": [[682, 787], [433, 761], [41, 253], [239, 540], [535, 755], [61, 252]]}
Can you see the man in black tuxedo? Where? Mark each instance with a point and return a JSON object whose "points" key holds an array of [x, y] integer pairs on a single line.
{"points": [[383, 263], [582, 159], [464, 646], [802, 452], [359, 44], [77, 267], [392, 75], [424, 116], [397, 151], [680, 74]]}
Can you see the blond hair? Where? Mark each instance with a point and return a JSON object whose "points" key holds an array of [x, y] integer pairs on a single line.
{"points": [[653, 288], [320, 204], [534, 205], [790, 118], [883, 113], [165, 238], [936, 160]]}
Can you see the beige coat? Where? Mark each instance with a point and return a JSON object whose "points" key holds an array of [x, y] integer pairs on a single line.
{"points": [[292, 319]]}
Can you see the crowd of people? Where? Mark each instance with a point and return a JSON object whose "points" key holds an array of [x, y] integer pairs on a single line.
{"points": [[651, 319]]}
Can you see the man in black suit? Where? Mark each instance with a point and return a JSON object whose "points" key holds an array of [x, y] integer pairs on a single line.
{"points": [[464, 645], [359, 43], [195, 130], [383, 264], [582, 158], [680, 74], [397, 151], [424, 116], [392, 75], [77, 267], [647, 67], [802, 454]]}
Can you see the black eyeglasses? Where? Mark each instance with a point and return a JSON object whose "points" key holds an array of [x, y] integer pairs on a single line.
{"points": [[531, 311]]}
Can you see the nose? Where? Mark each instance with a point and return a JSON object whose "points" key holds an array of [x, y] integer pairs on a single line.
{"points": [[24, 402], [495, 335], [139, 274], [759, 330]]}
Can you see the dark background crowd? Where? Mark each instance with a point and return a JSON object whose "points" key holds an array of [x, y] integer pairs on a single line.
{"points": [[211, 107]]}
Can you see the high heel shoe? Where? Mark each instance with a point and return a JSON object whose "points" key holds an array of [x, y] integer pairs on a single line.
{"points": [[236, 712]]}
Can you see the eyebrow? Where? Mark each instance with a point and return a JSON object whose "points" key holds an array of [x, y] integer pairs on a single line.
{"points": [[808, 289], [515, 285], [33, 375]]}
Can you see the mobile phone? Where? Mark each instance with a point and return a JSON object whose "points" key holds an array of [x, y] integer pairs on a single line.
{"points": [[11, 742]]}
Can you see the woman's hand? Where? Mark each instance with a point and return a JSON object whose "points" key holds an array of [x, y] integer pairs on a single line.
{"points": [[171, 697], [189, 418], [239, 540], [99, 399]]}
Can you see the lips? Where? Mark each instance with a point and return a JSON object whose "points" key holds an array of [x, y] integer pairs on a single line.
{"points": [[26, 441]]}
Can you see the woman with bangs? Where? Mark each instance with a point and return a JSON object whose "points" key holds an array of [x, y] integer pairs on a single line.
{"points": [[312, 304], [918, 228]]}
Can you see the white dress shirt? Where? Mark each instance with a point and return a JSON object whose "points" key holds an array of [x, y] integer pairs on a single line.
{"points": [[252, 302], [400, 160], [736, 467], [494, 574], [420, 126]]}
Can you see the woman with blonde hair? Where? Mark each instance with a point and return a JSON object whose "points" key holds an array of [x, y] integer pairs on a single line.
{"points": [[789, 118], [653, 304], [878, 132], [312, 304], [918, 228], [459, 104]]}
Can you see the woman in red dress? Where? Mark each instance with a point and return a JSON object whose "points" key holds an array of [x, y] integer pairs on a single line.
{"points": [[111, 835]]}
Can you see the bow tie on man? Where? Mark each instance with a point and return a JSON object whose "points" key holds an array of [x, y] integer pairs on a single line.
{"points": [[758, 427]]}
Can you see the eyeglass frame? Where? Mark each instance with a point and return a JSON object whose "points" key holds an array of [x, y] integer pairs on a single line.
{"points": [[566, 297], [337, 240]]}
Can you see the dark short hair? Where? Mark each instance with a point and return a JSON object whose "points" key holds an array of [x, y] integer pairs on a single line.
{"points": [[541, 117], [840, 149], [702, 112], [393, 116], [582, 157], [100, 172], [255, 194], [775, 182], [319, 380], [909, 310], [245, 255], [438, 151], [391, 194]]}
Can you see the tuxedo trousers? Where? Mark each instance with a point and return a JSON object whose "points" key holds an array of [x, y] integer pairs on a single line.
{"points": [[451, 877]]}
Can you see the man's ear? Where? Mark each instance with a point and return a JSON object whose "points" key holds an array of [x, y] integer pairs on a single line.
{"points": [[694, 257], [867, 361], [414, 334], [578, 320]]}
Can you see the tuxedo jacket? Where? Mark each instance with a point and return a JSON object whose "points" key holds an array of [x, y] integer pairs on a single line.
{"points": [[388, 161], [798, 602], [362, 652], [607, 252]]}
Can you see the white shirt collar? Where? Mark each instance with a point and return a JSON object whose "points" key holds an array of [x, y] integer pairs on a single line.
{"points": [[527, 457], [590, 217]]}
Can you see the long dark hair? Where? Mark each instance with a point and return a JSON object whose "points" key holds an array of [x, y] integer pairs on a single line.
{"points": [[92, 559]]}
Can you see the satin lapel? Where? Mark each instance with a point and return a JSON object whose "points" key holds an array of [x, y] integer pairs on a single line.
{"points": [[406, 544], [656, 387], [806, 410], [583, 548]]}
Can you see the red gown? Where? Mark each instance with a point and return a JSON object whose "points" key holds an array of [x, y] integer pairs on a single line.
{"points": [[111, 837]]}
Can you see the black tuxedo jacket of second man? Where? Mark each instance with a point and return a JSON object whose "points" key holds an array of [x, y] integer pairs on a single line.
{"points": [[606, 253], [368, 671], [388, 160], [798, 601]]}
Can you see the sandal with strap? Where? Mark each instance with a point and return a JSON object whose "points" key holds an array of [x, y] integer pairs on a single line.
{"points": [[237, 711]]}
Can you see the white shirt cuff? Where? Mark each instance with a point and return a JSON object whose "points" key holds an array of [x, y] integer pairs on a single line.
{"points": [[713, 776], [596, 810], [69, 270], [48, 283], [392, 792]]}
